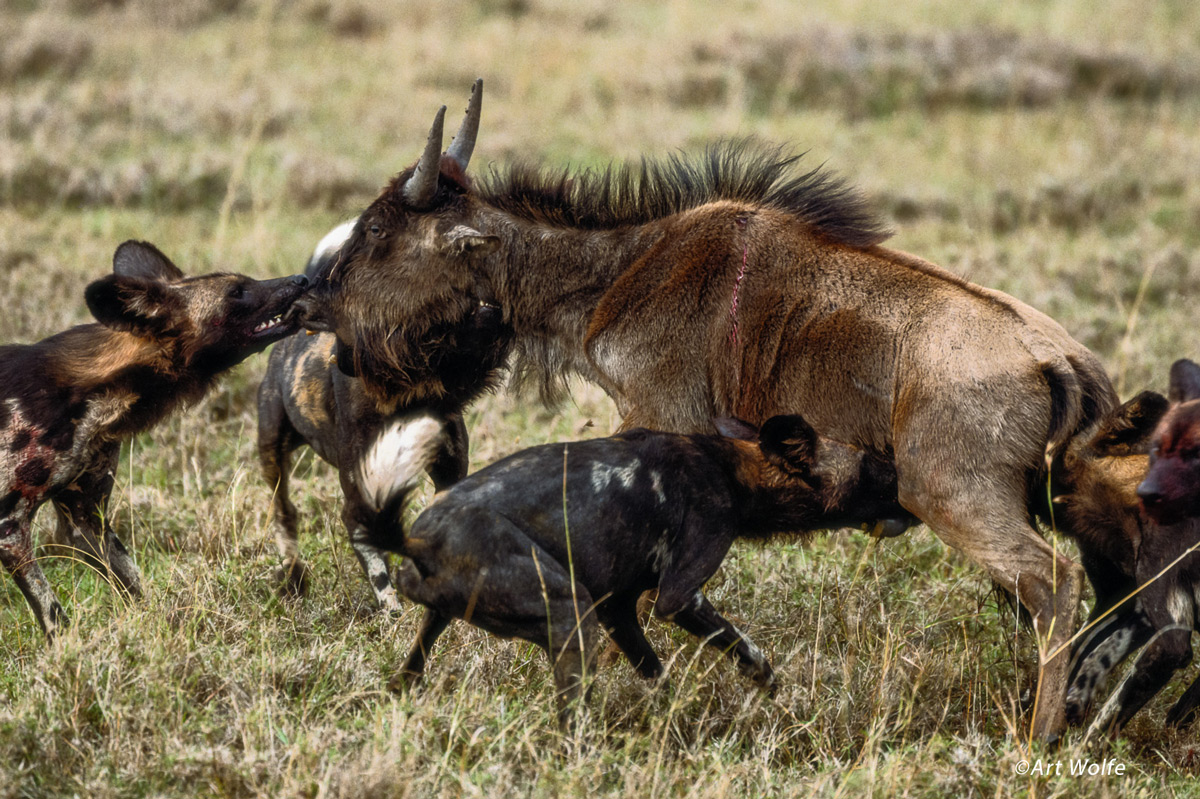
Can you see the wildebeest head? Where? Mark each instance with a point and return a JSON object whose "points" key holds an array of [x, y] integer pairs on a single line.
{"points": [[219, 318], [1171, 490], [443, 326]]}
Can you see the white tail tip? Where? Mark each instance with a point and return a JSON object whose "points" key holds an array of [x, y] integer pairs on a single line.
{"points": [[401, 453]]}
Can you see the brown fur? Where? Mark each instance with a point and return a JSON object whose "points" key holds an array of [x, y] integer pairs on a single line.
{"points": [[731, 286], [68, 401]]}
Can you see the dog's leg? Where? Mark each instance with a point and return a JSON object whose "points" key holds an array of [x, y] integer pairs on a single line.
{"points": [[1111, 643], [1169, 650], [702, 620], [433, 623], [276, 440], [16, 553], [452, 460], [1183, 712], [619, 615], [82, 510], [358, 517]]}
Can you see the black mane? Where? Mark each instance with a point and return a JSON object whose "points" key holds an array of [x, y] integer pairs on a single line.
{"points": [[636, 193]]}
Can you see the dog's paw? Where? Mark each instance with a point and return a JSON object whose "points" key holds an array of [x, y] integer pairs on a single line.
{"points": [[292, 577]]}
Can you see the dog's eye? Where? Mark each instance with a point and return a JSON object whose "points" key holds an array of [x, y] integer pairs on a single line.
{"points": [[236, 291]]}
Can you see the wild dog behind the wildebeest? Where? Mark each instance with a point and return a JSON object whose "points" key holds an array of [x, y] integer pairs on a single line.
{"points": [[1100, 472], [68, 401], [308, 396], [546, 542], [735, 284], [1171, 488]]}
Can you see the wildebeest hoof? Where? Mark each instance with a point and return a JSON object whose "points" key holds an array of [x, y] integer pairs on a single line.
{"points": [[293, 578]]}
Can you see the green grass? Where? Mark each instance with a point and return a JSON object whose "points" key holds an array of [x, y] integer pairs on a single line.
{"points": [[235, 134]]}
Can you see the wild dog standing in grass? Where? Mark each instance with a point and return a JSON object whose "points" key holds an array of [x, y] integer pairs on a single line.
{"points": [[1171, 488], [310, 395], [733, 283], [1099, 473], [68, 401], [544, 543]]}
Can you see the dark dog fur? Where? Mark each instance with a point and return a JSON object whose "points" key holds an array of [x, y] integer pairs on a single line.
{"points": [[310, 395], [1171, 490], [69, 400], [1103, 470], [643, 510]]}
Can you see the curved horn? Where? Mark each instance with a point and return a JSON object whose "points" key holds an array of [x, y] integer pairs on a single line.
{"points": [[464, 141], [419, 189]]}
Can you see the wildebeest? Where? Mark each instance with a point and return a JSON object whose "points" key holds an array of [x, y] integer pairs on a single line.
{"points": [[732, 284], [307, 397], [1171, 489], [547, 542], [1102, 469], [69, 400]]}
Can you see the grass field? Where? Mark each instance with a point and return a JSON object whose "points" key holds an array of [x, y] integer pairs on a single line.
{"points": [[1047, 149]]}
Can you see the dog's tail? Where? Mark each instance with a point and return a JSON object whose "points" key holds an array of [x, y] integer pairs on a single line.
{"points": [[392, 468]]}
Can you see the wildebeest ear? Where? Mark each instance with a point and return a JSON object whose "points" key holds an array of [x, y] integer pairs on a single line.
{"points": [[143, 261], [1185, 381], [1130, 424], [788, 440], [736, 428], [142, 307], [463, 240]]}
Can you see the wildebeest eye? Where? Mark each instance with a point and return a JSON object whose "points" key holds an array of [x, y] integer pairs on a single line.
{"points": [[377, 231]]}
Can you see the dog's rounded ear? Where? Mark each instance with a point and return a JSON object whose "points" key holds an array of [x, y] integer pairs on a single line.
{"points": [[736, 428], [1127, 428], [141, 260], [135, 306], [1185, 381], [789, 442]]}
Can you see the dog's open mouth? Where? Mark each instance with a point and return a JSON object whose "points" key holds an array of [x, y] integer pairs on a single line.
{"points": [[273, 322]]}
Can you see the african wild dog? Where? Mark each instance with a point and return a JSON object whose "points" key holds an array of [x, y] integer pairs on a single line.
{"points": [[1171, 489], [69, 400], [1100, 474], [309, 395], [546, 542], [733, 284]]}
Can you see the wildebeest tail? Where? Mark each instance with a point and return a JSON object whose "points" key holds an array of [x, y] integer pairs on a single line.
{"points": [[1080, 394], [392, 467]]}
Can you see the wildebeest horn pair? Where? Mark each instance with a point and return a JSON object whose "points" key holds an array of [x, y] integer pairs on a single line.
{"points": [[419, 189]]}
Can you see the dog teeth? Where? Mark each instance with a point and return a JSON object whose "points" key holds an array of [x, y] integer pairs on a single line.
{"points": [[270, 323]]}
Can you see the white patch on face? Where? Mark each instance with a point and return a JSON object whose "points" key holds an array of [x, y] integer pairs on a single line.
{"points": [[603, 474]]}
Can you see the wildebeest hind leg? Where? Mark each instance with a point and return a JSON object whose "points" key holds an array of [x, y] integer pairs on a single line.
{"points": [[993, 530]]}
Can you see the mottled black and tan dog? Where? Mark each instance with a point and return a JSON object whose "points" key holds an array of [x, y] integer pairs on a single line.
{"points": [[545, 543], [310, 395], [68, 401]]}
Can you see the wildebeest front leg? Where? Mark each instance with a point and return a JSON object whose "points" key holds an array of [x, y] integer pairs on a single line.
{"points": [[16, 553], [84, 527]]}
